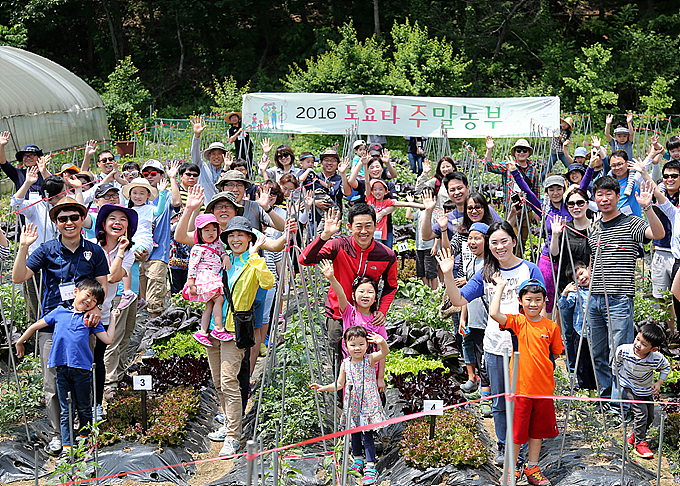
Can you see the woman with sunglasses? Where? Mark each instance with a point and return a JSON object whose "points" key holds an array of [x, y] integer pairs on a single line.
{"points": [[425, 180], [283, 158]]}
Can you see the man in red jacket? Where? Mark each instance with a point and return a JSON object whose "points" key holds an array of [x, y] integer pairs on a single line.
{"points": [[353, 256]]}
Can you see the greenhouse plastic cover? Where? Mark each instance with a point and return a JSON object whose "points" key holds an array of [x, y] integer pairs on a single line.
{"points": [[43, 103]]}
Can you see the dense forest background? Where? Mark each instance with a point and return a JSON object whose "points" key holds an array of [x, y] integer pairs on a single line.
{"points": [[598, 55]]}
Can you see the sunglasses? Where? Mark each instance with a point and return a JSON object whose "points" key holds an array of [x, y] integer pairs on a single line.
{"points": [[130, 173], [476, 207], [153, 173], [671, 176], [106, 159], [580, 203], [521, 150], [71, 217], [191, 174]]}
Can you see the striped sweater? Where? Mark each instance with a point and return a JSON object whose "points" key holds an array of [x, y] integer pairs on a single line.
{"points": [[638, 373]]}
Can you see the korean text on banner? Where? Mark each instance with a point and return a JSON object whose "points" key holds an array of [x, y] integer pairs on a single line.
{"points": [[325, 113]]}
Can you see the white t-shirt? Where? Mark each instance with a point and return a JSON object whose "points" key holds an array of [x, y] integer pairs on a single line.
{"points": [[495, 340]]}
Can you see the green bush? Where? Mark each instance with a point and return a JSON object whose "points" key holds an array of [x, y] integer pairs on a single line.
{"points": [[181, 343], [397, 363], [32, 396], [19, 307], [455, 442]]}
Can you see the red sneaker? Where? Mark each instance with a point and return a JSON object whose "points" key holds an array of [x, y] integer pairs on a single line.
{"points": [[536, 476], [642, 450], [631, 439]]}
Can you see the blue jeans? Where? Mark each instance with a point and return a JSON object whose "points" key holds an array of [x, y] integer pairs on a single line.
{"points": [[369, 445], [568, 324], [79, 383], [494, 367], [621, 312], [258, 307], [416, 162], [551, 162], [389, 241]]}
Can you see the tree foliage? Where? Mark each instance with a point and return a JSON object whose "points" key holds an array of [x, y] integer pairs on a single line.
{"points": [[123, 95]]}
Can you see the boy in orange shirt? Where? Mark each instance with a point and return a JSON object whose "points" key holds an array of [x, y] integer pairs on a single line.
{"points": [[538, 338]]}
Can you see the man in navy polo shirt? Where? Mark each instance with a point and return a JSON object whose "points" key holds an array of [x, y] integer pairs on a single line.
{"points": [[64, 261]]}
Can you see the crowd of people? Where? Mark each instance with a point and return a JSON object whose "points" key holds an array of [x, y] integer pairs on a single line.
{"points": [[99, 246]]}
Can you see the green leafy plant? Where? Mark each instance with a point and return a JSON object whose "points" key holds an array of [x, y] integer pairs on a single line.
{"points": [[405, 274], [226, 94], [18, 307], [178, 301], [644, 308], [66, 471], [398, 363], [425, 308], [181, 343], [168, 416], [32, 396], [455, 442]]}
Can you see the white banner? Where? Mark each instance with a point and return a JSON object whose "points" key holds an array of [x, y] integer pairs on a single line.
{"points": [[325, 113]]}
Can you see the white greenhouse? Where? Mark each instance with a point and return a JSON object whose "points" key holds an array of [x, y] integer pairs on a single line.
{"points": [[43, 103]]}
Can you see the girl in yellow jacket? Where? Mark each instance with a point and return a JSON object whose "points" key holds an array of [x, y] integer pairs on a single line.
{"points": [[248, 272]]}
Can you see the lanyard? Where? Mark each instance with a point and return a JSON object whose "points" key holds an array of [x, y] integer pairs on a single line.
{"points": [[61, 253]]}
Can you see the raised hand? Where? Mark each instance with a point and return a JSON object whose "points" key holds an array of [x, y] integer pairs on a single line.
{"points": [[644, 199], [29, 235], [557, 224], [309, 199], [375, 338], [327, 269], [342, 168], [43, 161], [429, 200], [566, 142], [490, 143], [445, 260], [266, 145], [90, 148], [629, 118], [512, 166], [263, 163], [32, 174], [195, 197], [332, 224], [609, 119], [254, 247], [198, 126], [75, 182], [263, 197], [500, 281], [570, 288], [162, 184], [637, 165], [173, 169], [4, 138], [595, 141], [442, 218], [427, 166], [365, 158], [385, 156], [291, 226], [410, 197]]}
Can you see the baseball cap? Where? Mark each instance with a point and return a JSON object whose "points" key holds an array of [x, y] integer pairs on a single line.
{"points": [[531, 281], [153, 164], [618, 130], [580, 152], [481, 227], [553, 180], [103, 189]]}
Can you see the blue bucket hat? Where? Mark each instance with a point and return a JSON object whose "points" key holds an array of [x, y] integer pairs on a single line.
{"points": [[481, 227], [29, 149]]}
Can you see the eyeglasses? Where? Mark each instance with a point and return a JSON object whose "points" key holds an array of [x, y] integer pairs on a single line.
{"points": [[521, 150], [476, 207], [153, 173], [131, 173], [618, 166], [30, 154], [110, 197], [191, 174], [671, 176], [234, 185], [106, 159], [70, 217], [222, 207], [286, 154], [580, 203]]}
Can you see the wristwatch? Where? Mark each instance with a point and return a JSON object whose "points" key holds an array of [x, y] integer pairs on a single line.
{"points": [[99, 306], [269, 210]]}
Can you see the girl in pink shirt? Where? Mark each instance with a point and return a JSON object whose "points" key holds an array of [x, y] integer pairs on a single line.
{"points": [[365, 295]]}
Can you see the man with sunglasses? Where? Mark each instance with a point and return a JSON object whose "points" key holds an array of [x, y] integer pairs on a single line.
{"points": [[65, 261], [215, 159], [106, 162], [28, 157]]}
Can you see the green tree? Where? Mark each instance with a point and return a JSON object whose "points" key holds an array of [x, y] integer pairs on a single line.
{"points": [[15, 36], [658, 101], [226, 95], [594, 78], [124, 95]]}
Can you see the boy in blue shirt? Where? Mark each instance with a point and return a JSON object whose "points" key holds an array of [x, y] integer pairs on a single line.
{"points": [[71, 354]]}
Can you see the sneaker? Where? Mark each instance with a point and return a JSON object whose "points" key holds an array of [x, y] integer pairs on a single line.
{"points": [[485, 408], [499, 460], [642, 450], [98, 413], [54, 447], [229, 448], [536, 476], [469, 386], [218, 435], [148, 354], [518, 475], [220, 418], [631, 439], [126, 299], [203, 339], [370, 475], [141, 303], [357, 468], [263, 350], [221, 335]]}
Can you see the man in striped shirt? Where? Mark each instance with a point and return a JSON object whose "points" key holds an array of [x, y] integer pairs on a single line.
{"points": [[618, 236], [635, 364]]}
